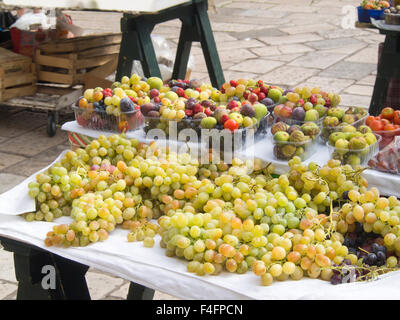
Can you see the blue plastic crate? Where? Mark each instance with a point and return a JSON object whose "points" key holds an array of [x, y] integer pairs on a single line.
{"points": [[365, 15]]}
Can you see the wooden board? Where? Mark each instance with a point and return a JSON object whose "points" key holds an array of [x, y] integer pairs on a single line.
{"points": [[79, 44], [8, 56]]}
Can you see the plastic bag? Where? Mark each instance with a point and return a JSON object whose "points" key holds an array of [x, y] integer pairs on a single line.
{"points": [[388, 159], [28, 20], [65, 27], [165, 58]]}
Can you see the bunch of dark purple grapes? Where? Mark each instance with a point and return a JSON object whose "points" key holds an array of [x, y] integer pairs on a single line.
{"points": [[365, 246]]}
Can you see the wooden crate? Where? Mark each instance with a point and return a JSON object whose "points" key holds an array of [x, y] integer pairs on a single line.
{"points": [[68, 61], [17, 75]]}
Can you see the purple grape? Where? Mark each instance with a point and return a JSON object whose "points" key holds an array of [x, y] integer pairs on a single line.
{"points": [[267, 102]]}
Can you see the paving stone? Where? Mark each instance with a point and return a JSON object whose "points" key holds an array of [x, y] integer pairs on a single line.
{"points": [[6, 289], [163, 296], [333, 43], [255, 5], [288, 75], [360, 90], [348, 49], [318, 59], [369, 54], [369, 80], [255, 34], [7, 271], [256, 65], [100, 284], [263, 13], [294, 48], [19, 123], [33, 142], [235, 55], [349, 70], [240, 19], [231, 27], [234, 45], [121, 292], [7, 160], [286, 57], [308, 28], [328, 84], [231, 75], [355, 100], [30, 166], [306, 38], [340, 33], [294, 8], [266, 51], [8, 181]]}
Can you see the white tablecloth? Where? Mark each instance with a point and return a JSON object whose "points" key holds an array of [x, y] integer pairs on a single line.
{"points": [[150, 266]]}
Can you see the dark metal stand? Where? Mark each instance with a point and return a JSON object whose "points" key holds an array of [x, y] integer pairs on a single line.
{"points": [[70, 282], [136, 41], [388, 67]]}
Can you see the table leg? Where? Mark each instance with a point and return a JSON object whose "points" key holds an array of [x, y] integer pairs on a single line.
{"points": [[139, 292], [35, 269], [388, 67], [208, 44], [187, 36]]}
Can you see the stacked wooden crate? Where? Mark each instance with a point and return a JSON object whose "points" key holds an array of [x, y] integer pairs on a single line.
{"points": [[69, 61], [17, 75]]}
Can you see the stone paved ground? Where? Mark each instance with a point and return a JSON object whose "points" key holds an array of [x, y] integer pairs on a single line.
{"points": [[284, 42]]}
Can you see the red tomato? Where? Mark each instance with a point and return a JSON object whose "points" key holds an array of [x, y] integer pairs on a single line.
{"points": [[387, 113], [385, 121], [389, 127], [369, 120], [376, 125], [396, 117], [231, 125]]}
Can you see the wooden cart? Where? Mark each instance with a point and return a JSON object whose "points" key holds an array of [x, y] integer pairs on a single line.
{"points": [[50, 99]]}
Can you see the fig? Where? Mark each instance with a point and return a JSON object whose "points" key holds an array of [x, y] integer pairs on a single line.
{"points": [[330, 122], [336, 112], [293, 128], [288, 151], [153, 114], [357, 143], [281, 136], [364, 129], [247, 110], [348, 118], [279, 126], [199, 115], [297, 136], [310, 129], [336, 136]]}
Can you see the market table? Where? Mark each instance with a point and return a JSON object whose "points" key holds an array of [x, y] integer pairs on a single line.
{"points": [[150, 269]]}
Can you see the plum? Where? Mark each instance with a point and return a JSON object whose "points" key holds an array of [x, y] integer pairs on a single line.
{"points": [[126, 105], [146, 108], [247, 110], [298, 114]]}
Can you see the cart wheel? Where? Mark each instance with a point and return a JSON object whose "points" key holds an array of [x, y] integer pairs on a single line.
{"points": [[51, 125]]}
